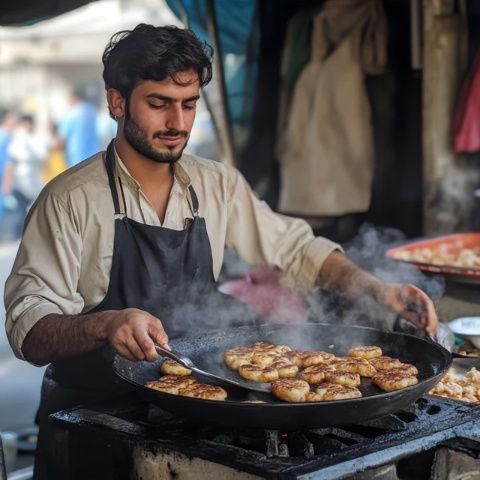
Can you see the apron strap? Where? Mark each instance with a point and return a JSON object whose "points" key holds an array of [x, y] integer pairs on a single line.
{"points": [[194, 199], [110, 165]]}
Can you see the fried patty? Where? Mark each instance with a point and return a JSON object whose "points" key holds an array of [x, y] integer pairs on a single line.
{"points": [[234, 359], [340, 377], [310, 358], [171, 367], [356, 365], [270, 347], [293, 357], [170, 383], [291, 389], [314, 397], [316, 373], [390, 380], [385, 363], [406, 368], [257, 373], [284, 368], [367, 351], [264, 359], [332, 391], [206, 392]]}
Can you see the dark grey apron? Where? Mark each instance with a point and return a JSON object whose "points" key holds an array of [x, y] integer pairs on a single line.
{"points": [[165, 272]]}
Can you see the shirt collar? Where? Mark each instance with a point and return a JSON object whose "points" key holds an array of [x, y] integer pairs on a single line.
{"points": [[181, 177]]}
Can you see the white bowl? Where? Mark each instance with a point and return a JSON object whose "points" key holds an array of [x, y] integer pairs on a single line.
{"points": [[467, 328]]}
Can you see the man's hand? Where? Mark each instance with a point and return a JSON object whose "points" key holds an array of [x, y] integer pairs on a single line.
{"points": [[340, 275], [412, 304], [133, 333]]}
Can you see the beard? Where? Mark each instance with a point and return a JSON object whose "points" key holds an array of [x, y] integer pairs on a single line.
{"points": [[138, 140]]}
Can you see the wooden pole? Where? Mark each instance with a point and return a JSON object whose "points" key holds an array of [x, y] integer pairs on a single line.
{"points": [[224, 130]]}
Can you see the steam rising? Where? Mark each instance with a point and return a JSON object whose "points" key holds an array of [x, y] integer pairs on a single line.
{"points": [[367, 250], [203, 310]]}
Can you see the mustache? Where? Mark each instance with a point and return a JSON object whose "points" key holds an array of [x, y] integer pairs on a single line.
{"points": [[171, 133]]}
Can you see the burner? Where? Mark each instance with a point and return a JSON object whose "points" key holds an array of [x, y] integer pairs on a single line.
{"points": [[134, 435]]}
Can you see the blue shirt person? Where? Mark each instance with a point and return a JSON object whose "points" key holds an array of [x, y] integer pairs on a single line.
{"points": [[79, 131], [8, 120]]}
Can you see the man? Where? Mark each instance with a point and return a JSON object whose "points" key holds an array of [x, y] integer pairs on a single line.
{"points": [[26, 155], [114, 248]]}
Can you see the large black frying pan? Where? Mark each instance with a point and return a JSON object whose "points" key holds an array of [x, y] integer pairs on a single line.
{"points": [[431, 360]]}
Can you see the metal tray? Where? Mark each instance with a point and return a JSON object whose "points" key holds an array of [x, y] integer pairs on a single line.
{"points": [[450, 244]]}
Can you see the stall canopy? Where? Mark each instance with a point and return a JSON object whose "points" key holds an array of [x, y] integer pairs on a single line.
{"points": [[25, 12]]}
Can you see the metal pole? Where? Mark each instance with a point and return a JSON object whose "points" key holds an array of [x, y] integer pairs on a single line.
{"points": [[225, 127]]}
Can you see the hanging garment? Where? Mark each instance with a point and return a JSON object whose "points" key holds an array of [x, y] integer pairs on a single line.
{"points": [[295, 56], [466, 117], [326, 152]]}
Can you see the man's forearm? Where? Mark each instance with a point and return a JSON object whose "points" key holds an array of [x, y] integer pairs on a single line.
{"points": [[340, 275], [60, 336]]}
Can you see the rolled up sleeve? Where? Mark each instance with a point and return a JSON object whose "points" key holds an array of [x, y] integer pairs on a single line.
{"points": [[45, 274], [264, 237]]}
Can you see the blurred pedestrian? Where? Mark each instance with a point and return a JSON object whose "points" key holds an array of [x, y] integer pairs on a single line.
{"points": [[23, 180], [79, 129], [55, 162], [8, 120]]}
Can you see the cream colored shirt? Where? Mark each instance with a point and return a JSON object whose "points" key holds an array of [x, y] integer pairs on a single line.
{"points": [[64, 260]]}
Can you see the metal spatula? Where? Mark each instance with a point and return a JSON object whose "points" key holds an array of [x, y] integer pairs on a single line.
{"points": [[188, 363]]}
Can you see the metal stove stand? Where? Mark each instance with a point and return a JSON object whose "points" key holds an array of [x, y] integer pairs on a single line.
{"points": [[112, 441]]}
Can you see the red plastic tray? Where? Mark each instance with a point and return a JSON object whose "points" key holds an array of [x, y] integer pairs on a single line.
{"points": [[450, 244]]}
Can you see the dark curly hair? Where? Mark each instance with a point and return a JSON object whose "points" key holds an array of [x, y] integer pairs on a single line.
{"points": [[154, 53]]}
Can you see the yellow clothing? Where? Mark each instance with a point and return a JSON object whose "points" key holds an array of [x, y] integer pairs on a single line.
{"points": [[54, 165]]}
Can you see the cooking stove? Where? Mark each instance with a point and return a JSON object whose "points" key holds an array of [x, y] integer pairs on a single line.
{"points": [[127, 439]]}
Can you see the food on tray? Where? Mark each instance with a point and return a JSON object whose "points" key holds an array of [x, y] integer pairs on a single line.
{"points": [[171, 367], [390, 380], [441, 255], [459, 387], [467, 350], [370, 351]]}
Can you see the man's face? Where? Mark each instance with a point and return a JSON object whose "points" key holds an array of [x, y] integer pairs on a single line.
{"points": [[160, 115]]}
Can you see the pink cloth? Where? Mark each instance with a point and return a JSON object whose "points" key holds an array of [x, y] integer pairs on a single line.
{"points": [[261, 289], [466, 117]]}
